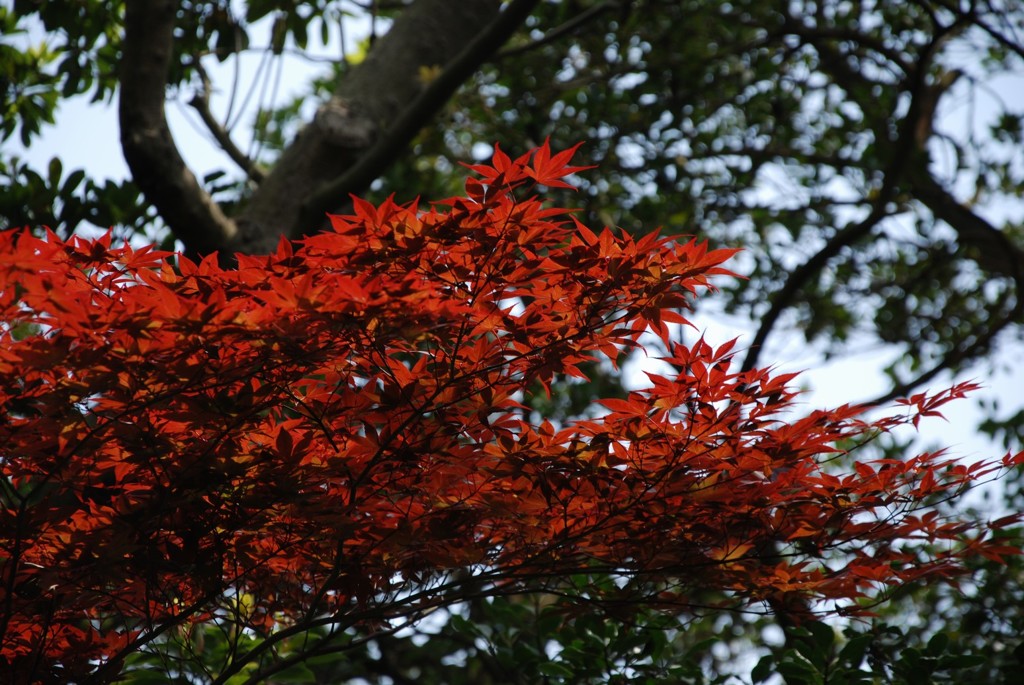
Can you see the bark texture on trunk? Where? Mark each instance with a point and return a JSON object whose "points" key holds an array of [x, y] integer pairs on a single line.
{"points": [[146, 142], [371, 96], [374, 107]]}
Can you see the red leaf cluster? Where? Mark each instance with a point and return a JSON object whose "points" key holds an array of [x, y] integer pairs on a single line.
{"points": [[334, 427]]}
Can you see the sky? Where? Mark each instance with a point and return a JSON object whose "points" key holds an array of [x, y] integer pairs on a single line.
{"points": [[86, 136]]}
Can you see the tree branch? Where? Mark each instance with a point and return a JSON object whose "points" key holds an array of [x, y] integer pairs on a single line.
{"points": [[370, 166], [994, 251], [975, 17], [903, 148], [976, 347], [367, 101], [201, 103], [149, 149], [566, 28], [783, 298]]}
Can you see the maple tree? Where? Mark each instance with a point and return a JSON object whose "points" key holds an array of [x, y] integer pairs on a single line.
{"points": [[335, 435]]}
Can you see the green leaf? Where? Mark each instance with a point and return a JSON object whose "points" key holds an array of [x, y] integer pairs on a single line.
{"points": [[461, 625], [797, 671], [72, 182], [54, 171], [764, 669], [299, 674], [555, 669], [961, 661], [854, 650], [937, 645], [147, 676], [816, 646]]}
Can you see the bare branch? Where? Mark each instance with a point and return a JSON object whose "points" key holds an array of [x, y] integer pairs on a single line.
{"points": [[201, 103], [822, 33], [991, 249], [974, 16]]}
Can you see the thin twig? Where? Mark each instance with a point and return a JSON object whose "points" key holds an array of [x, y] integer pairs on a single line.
{"points": [[562, 30], [201, 103]]}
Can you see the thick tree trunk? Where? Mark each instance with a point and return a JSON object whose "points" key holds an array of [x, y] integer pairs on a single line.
{"points": [[369, 118], [146, 141], [430, 33], [427, 35]]}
